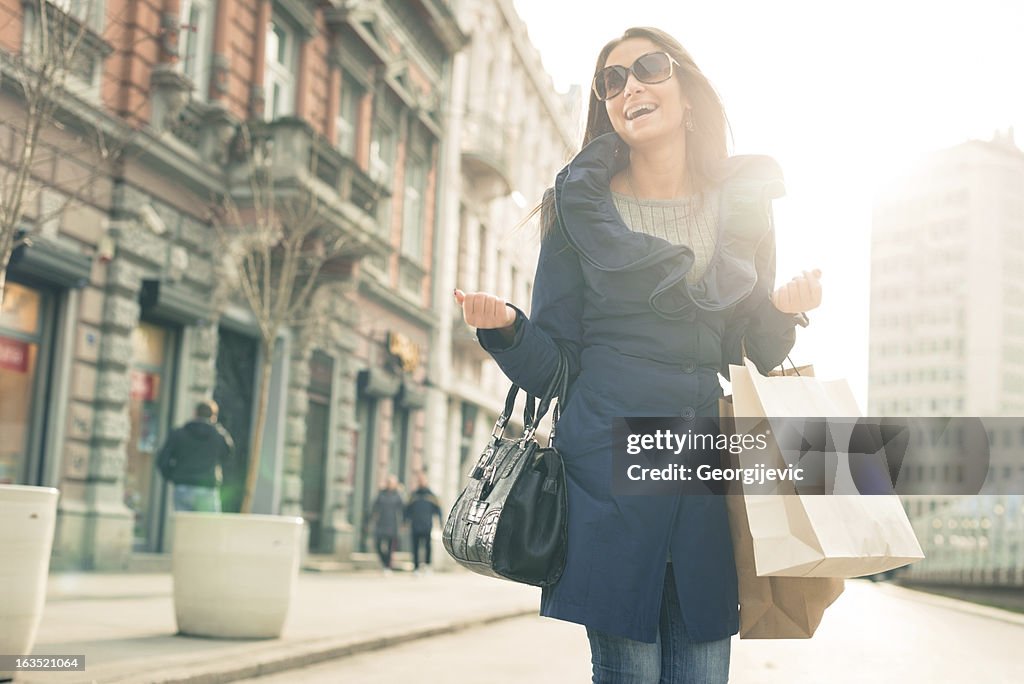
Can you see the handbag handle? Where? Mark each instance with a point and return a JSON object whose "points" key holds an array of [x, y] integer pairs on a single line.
{"points": [[533, 414]]}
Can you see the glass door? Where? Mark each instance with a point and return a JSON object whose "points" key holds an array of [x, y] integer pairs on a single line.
{"points": [[363, 469], [149, 404], [22, 371], [315, 451]]}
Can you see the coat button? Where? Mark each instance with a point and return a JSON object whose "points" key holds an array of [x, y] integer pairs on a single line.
{"points": [[689, 413], [690, 366]]}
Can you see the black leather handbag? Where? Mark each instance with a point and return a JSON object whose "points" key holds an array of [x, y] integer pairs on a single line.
{"points": [[510, 521]]}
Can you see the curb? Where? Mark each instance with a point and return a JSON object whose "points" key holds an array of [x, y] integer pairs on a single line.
{"points": [[295, 656]]}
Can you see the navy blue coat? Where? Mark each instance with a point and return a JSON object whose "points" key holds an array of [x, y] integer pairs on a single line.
{"points": [[643, 342]]}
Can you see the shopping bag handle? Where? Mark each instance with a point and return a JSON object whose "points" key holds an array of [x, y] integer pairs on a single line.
{"points": [[743, 352], [796, 370]]}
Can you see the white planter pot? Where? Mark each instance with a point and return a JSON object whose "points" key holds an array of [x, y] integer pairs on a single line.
{"points": [[27, 519], [234, 574]]}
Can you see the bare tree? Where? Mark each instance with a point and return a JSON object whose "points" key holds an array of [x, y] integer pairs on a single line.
{"points": [[277, 237], [59, 47]]}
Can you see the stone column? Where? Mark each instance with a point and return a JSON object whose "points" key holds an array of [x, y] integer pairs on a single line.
{"points": [[202, 363], [337, 531], [443, 461], [108, 530], [107, 523], [221, 67], [334, 335], [295, 430]]}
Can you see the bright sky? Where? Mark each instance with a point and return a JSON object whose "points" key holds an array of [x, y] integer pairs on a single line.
{"points": [[844, 95]]}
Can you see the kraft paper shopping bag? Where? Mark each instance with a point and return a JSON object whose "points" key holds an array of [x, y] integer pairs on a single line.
{"points": [[802, 535], [772, 607]]}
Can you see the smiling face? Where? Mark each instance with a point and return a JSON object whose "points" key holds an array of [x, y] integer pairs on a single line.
{"points": [[645, 113]]}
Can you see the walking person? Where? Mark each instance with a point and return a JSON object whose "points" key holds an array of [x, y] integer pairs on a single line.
{"points": [[386, 516], [420, 512], [194, 457], [656, 271]]}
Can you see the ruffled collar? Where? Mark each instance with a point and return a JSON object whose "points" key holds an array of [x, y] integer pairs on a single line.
{"points": [[591, 224]]}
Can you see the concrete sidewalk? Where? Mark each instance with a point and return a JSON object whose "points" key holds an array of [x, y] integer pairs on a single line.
{"points": [[124, 624]]}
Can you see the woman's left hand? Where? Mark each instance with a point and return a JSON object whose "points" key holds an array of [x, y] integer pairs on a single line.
{"points": [[801, 294]]}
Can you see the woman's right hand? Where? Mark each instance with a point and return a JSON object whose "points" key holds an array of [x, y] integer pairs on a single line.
{"points": [[485, 311]]}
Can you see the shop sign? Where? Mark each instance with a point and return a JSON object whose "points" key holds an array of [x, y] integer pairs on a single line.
{"points": [[144, 385], [13, 355], [405, 350]]}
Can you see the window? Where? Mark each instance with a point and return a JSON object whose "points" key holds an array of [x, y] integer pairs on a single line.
{"points": [[76, 48], [481, 260], [382, 162], [282, 63], [400, 451], [413, 214], [352, 93], [148, 417], [462, 271], [196, 42], [83, 10], [384, 143], [383, 148], [21, 336]]}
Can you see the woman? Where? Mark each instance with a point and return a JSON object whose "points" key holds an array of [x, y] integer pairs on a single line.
{"points": [[655, 272]]}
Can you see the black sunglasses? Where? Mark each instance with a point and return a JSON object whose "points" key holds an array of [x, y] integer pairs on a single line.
{"points": [[654, 67]]}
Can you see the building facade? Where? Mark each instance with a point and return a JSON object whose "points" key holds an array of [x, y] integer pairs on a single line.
{"points": [[947, 339], [111, 329], [515, 132]]}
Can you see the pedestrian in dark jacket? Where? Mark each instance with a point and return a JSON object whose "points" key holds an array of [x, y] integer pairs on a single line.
{"points": [[656, 271], [420, 512], [194, 457], [386, 517]]}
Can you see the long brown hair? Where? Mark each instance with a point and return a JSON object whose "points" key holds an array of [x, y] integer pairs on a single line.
{"points": [[705, 144]]}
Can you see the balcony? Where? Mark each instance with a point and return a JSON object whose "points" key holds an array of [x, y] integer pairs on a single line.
{"points": [[342, 193], [485, 157]]}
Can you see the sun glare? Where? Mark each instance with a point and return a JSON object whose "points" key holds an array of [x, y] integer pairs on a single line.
{"points": [[846, 97]]}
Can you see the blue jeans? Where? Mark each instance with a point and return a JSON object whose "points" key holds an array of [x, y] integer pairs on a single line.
{"points": [[672, 659], [200, 499]]}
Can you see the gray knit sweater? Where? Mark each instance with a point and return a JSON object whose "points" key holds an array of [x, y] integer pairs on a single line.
{"points": [[685, 221]]}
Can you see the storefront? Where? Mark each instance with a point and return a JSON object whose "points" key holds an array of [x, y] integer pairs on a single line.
{"points": [[389, 420], [409, 399], [153, 370], [406, 421], [25, 346], [374, 386]]}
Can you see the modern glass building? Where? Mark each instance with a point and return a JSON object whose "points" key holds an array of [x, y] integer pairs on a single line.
{"points": [[947, 339]]}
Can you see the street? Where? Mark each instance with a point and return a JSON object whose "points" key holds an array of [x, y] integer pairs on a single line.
{"points": [[874, 632]]}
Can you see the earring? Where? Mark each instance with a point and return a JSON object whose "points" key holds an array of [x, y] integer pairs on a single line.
{"points": [[688, 122]]}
